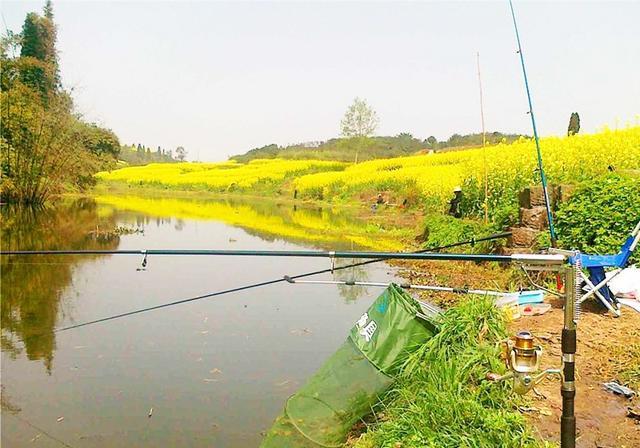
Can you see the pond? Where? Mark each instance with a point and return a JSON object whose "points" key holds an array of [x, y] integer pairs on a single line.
{"points": [[213, 372]]}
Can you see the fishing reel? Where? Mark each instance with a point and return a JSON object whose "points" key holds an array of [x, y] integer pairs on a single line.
{"points": [[522, 359]]}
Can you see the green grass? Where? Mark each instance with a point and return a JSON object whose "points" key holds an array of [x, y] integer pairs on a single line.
{"points": [[442, 399]]}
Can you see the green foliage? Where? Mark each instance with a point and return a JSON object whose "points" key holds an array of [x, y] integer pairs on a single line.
{"points": [[442, 399], [381, 147], [99, 141], [477, 139], [600, 215], [502, 201], [44, 146], [38, 41], [139, 154], [339, 149], [442, 230]]}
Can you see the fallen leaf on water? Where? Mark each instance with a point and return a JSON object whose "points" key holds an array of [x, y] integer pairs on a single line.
{"points": [[60, 419], [216, 370], [210, 380], [150, 412], [204, 332], [284, 383], [36, 437], [79, 347]]}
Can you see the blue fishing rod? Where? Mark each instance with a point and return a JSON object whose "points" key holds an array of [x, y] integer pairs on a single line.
{"points": [[569, 337], [543, 177]]}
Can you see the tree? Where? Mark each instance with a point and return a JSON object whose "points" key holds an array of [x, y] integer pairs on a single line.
{"points": [[181, 153], [99, 141], [44, 145], [432, 142], [574, 124], [39, 53], [359, 120]]}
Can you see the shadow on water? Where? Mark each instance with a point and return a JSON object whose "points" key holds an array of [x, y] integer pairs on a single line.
{"points": [[31, 287]]}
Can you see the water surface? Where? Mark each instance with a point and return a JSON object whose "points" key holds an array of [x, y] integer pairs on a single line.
{"points": [[216, 372]]}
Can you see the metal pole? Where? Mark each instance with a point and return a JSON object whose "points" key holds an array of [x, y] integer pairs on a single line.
{"points": [[484, 147], [568, 388]]}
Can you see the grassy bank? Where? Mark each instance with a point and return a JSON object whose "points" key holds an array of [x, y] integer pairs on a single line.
{"points": [[442, 399]]}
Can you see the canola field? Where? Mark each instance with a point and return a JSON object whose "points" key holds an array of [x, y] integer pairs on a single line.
{"points": [[429, 177], [219, 177], [509, 167]]}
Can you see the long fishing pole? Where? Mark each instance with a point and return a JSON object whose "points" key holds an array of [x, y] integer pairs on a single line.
{"points": [[543, 177], [472, 241], [529, 258]]}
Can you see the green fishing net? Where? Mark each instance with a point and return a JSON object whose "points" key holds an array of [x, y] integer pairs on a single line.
{"points": [[351, 381]]}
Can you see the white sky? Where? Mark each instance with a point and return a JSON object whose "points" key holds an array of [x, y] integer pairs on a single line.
{"points": [[221, 78]]}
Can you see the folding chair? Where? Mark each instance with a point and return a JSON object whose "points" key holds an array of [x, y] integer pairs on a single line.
{"points": [[597, 281]]}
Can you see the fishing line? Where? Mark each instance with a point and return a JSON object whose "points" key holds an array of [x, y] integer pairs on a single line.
{"points": [[472, 241], [543, 177]]}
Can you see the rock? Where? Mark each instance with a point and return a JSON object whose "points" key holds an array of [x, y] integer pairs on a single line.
{"points": [[534, 218], [522, 237], [531, 197]]}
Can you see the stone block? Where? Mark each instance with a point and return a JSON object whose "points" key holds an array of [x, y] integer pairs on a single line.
{"points": [[534, 218], [534, 197], [522, 237]]}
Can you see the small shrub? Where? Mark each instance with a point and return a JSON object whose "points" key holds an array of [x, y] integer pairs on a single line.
{"points": [[600, 214]]}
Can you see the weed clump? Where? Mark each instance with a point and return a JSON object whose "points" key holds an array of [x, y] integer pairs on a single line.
{"points": [[441, 398]]}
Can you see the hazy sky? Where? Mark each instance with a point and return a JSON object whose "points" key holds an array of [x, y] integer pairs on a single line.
{"points": [[221, 78]]}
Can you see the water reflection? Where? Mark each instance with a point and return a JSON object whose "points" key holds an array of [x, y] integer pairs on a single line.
{"points": [[216, 372], [31, 287], [271, 221]]}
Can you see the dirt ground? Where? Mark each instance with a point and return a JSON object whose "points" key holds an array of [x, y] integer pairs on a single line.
{"points": [[608, 349]]}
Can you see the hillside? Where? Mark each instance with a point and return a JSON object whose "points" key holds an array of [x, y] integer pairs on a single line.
{"points": [[370, 148], [425, 179]]}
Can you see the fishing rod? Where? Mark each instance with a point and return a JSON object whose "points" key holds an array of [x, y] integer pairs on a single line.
{"points": [[378, 256], [543, 177], [269, 253], [483, 292], [472, 241], [526, 258]]}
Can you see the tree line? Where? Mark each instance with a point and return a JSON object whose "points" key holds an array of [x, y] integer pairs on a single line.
{"points": [[357, 142], [139, 154], [45, 145]]}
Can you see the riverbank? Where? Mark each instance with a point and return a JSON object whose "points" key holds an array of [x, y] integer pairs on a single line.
{"points": [[425, 181]]}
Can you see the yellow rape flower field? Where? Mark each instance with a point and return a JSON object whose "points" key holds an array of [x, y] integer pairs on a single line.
{"points": [[509, 168]]}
